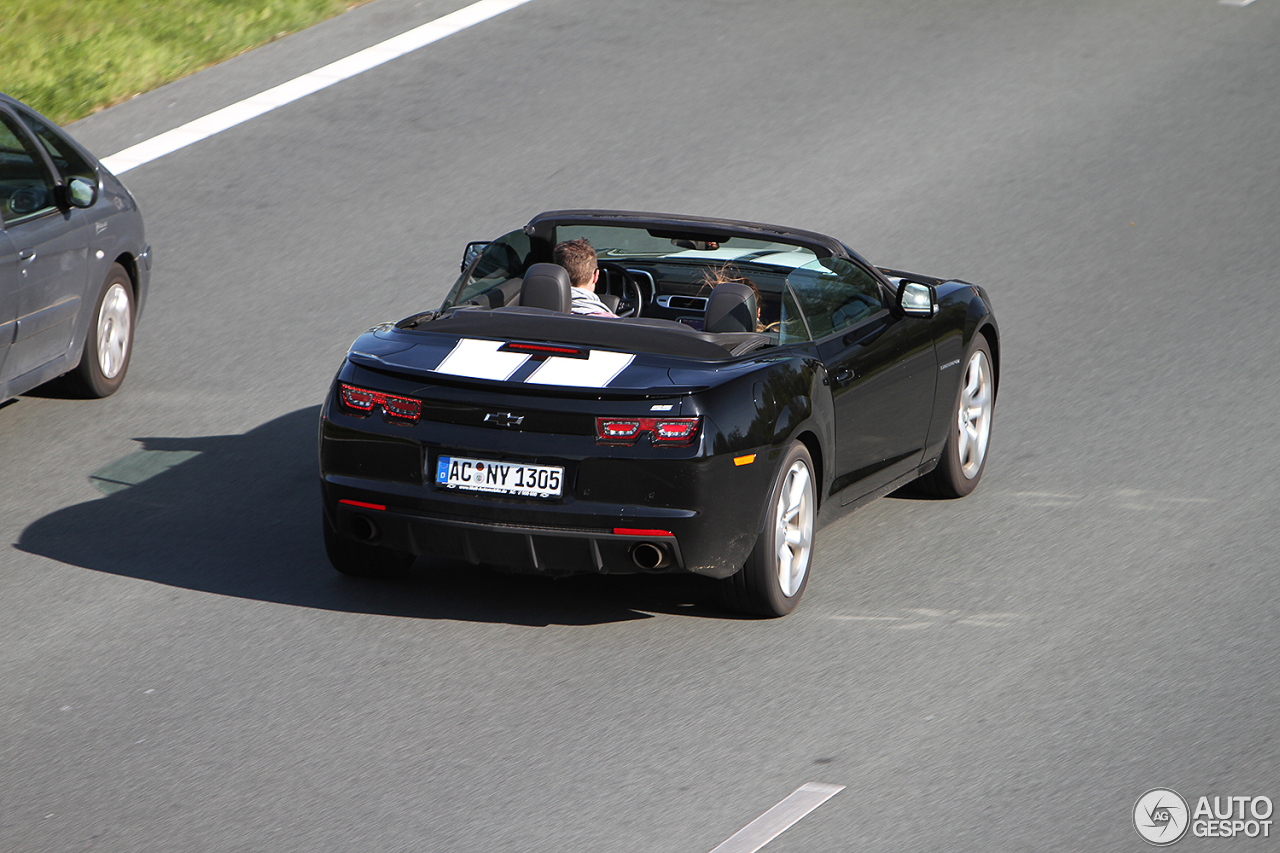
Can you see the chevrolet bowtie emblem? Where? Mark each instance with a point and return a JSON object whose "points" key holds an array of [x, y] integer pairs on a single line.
{"points": [[503, 419]]}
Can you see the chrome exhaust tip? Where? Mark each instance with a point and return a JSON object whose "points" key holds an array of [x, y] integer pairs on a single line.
{"points": [[649, 557], [363, 528]]}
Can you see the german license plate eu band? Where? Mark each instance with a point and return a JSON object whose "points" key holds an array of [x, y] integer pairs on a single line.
{"points": [[502, 478]]}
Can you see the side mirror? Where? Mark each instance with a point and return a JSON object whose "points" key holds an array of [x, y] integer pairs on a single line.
{"points": [[916, 299], [81, 193], [474, 249]]}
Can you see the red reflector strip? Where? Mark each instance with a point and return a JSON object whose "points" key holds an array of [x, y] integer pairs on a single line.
{"points": [[638, 531], [362, 504]]}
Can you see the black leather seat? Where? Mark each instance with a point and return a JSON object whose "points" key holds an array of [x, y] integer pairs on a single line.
{"points": [[731, 308], [547, 286]]}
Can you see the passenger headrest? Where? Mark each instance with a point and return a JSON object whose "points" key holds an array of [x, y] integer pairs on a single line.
{"points": [[547, 286], [731, 308]]}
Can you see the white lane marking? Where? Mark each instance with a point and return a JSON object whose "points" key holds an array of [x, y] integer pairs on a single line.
{"points": [[1234, 2], [278, 96], [779, 819], [868, 618], [481, 360], [597, 371], [922, 617]]}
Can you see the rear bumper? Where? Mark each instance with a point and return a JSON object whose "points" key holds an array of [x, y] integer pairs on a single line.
{"points": [[531, 548], [701, 514]]}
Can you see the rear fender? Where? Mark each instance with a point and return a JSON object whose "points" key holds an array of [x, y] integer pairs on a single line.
{"points": [[757, 416]]}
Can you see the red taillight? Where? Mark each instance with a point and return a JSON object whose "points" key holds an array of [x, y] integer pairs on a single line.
{"points": [[660, 430], [612, 429], [365, 401]]}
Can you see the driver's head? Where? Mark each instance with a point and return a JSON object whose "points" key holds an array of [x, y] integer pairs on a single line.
{"points": [[579, 259]]}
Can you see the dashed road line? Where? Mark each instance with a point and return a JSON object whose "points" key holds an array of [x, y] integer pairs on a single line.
{"points": [[924, 617], [299, 87], [779, 819]]}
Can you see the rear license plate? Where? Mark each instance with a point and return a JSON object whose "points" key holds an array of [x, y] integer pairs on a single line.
{"points": [[502, 478]]}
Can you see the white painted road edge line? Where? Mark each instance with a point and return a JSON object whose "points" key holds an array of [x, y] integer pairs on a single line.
{"points": [[779, 819], [334, 72]]}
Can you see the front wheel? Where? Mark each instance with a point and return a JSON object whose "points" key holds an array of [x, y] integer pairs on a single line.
{"points": [[777, 571], [964, 455], [109, 341], [362, 559]]}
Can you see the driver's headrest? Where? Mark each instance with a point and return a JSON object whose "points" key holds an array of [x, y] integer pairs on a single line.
{"points": [[547, 286]]}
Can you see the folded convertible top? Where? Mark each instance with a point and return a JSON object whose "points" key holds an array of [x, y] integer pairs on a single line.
{"points": [[659, 337]]}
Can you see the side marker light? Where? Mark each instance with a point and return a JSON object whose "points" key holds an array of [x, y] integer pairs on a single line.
{"points": [[744, 460]]}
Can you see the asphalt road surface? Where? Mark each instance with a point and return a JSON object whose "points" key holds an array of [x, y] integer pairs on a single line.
{"points": [[180, 669]]}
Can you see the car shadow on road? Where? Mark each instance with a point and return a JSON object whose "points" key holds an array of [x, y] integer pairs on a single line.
{"points": [[239, 515]]}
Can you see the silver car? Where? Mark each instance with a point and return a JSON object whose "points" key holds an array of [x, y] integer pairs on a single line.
{"points": [[74, 261]]}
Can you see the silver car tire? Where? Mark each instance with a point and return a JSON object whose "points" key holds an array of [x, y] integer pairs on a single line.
{"points": [[776, 573], [108, 343], [968, 442]]}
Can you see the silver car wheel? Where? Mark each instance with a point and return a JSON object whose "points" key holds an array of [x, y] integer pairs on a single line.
{"points": [[114, 321], [793, 532], [976, 400]]}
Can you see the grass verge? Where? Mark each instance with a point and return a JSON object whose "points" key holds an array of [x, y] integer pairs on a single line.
{"points": [[68, 58]]}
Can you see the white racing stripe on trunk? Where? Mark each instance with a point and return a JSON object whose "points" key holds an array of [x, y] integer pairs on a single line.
{"points": [[596, 371], [481, 360]]}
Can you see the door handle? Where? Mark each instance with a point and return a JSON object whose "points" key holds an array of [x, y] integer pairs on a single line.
{"points": [[25, 255]]}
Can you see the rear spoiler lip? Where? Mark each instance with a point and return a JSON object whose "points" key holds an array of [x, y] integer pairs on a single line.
{"points": [[517, 389]]}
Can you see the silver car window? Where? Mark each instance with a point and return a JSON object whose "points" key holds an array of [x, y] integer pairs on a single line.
{"points": [[26, 187]]}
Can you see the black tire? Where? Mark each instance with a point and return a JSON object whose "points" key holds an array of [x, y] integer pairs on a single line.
{"points": [[108, 343], [758, 587], [362, 559], [964, 455]]}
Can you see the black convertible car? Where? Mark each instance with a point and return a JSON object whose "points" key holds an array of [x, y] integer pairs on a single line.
{"points": [[757, 379]]}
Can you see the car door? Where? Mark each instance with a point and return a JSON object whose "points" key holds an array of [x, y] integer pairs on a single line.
{"points": [[45, 265], [9, 280], [882, 371]]}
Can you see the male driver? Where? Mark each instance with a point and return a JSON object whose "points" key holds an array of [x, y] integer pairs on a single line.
{"points": [[579, 259]]}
